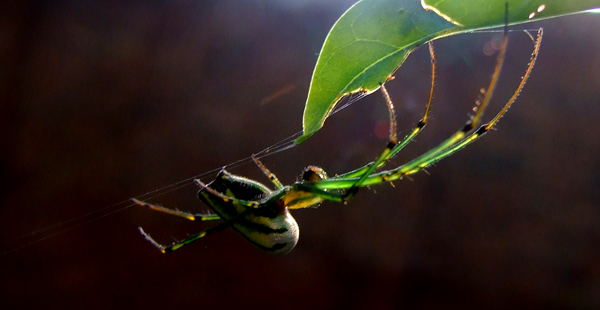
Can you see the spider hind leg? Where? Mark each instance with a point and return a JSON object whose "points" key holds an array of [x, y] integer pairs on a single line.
{"points": [[177, 245]]}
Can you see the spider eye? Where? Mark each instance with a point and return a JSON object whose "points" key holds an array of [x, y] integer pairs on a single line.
{"points": [[313, 174]]}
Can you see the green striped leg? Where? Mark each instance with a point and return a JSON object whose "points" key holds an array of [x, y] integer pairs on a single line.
{"points": [[186, 215], [386, 155], [189, 216], [246, 203], [456, 142], [393, 146], [268, 173], [177, 245]]}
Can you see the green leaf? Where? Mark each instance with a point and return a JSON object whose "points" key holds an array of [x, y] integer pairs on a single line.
{"points": [[374, 37], [363, 49], [479, 14]]}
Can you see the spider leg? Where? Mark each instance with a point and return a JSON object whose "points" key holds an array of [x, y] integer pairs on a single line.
{"points": [[212, 192], [393, 148], [268, 173], [177, 245], [326, 188], [367, 178], [187, 215], [456, 142]]}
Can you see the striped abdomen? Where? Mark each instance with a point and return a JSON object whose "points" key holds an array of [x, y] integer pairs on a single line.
{"points": [[270, 227]]}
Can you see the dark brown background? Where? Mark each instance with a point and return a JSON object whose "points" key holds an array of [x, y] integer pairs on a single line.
{"points": [[105, 100]]}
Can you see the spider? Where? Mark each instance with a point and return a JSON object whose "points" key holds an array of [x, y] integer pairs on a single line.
{"points": [[262, 215]]}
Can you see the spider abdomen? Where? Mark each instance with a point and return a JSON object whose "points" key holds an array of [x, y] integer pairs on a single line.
{"points": [[278, 235], [270, 227]]}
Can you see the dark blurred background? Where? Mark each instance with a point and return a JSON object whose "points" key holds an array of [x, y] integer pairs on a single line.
{"points": [[106, 100]]}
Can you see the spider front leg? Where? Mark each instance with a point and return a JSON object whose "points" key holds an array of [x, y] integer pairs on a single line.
{"points": [[457, 141], [462, 137], [393, 146]]}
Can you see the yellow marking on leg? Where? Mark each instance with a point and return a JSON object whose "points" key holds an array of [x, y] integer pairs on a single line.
{"points": [[186, 215]]}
